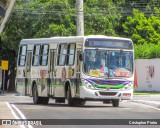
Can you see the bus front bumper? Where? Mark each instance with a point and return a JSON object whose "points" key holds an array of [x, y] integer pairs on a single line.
{"points": [[86, 93]]}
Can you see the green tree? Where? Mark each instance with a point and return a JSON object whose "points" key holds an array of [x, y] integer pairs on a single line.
{"points": [[144, 31], [48, 18], [102, 17]]}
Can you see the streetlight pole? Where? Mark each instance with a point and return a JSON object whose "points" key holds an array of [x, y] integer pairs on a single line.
{"points": [[80, 18]]}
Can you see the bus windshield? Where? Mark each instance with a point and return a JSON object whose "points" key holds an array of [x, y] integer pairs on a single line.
{"points": [[108, 63]]}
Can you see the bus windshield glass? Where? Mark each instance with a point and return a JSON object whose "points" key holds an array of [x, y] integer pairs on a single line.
{"points": [[108, 63]]}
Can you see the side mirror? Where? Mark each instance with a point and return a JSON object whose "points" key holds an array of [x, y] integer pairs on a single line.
{"points": [[81, 56]]}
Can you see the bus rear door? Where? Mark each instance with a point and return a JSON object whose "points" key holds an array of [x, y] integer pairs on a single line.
{"points": [[52, 72], [28, 73]]}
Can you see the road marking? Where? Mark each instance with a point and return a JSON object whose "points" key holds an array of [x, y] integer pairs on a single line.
{"points": [[14, 114], [19, 112]]}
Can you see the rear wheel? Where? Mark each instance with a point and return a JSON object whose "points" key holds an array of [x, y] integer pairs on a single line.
{"points": [[69, 97], [115, 102], [37, 99]]}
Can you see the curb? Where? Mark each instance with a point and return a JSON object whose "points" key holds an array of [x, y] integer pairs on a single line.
{"points": [[150, 103]]}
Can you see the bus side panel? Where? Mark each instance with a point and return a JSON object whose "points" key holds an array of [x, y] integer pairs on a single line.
{"points": [[60, 78], [21, 80], [40, 77]]}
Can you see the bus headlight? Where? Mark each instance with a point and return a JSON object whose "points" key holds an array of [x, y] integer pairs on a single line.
{"points": [[87, 84], [128, 86]]}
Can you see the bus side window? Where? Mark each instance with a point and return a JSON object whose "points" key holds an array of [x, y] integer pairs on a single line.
{"points": [[44, 57], [71, 54], [62, 51], [36, 55], [22, 55]]}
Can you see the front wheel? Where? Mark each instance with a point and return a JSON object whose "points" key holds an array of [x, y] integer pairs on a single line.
{"points": [[115, 102]]}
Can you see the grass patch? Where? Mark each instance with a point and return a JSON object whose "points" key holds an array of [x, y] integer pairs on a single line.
{"points": [[146, 93]]}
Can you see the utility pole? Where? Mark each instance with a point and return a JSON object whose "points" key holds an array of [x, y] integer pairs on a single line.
{"points": [[80, 18]]}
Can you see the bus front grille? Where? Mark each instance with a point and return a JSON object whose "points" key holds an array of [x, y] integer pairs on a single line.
{"points": [[107, 93]]}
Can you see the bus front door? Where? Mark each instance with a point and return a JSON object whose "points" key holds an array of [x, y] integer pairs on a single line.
{"points": [[78, 72], [51, 72], [28, 73]]}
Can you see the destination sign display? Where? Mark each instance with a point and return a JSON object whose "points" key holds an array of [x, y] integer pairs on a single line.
{"points": [[109, 43]]}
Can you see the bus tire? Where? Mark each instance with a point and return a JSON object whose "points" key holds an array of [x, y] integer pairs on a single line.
{"points": [[115, 102], [69, 97], [36, 99]]}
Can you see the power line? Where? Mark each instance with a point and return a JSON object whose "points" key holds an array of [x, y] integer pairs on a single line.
{"points": [[73, 13], [125, 9]]}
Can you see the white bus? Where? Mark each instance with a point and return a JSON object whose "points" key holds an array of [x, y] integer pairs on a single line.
{"points": [[76, 68]]}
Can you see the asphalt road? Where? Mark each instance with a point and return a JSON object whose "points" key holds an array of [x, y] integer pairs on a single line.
{"points": [[92, 110]]}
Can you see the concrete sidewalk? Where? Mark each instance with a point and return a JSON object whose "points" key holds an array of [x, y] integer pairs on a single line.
{"points": [[151, 100]]}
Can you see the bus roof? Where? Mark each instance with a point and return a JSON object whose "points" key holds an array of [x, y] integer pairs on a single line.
{"points": [[51, 40], [69, 39]]}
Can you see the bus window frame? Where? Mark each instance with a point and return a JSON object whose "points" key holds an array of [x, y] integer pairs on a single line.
{"points": [[20, 55], [42, 55], [68, 55], [39, 55], [59, 54]]}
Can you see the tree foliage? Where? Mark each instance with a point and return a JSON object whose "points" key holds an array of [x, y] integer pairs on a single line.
{"points": [[138, 20], [145, 33], [102, 17], [142, 29]]}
